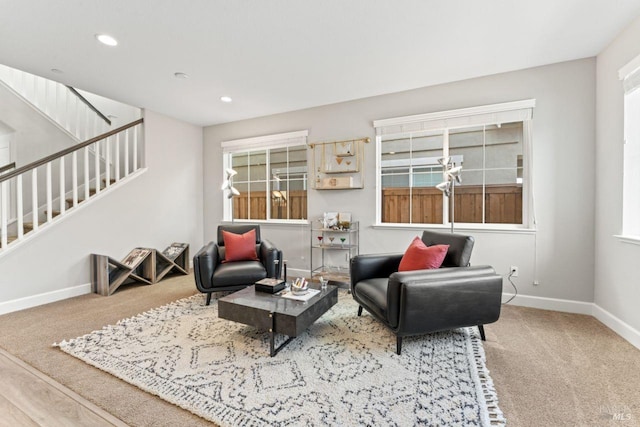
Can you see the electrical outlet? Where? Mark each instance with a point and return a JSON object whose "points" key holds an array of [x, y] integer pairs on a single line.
{"points": [[536, 283], [514, 271]]}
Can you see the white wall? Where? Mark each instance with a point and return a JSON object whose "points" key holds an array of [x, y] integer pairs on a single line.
{"points": [[617, 283], [161, 206], [35, 136], [564, 180]]}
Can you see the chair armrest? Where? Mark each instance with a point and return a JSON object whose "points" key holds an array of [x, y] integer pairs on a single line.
{"points": [[205, 262], [445, 298], [268, 255], [363, 267]]}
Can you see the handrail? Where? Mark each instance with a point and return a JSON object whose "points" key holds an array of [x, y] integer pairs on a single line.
{"points": [[89, 104], [7, 167], [66, 151]]}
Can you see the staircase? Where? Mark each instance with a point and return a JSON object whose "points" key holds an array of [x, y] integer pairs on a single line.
{"points": [[62, 104], [34, 196], [41, 200]]}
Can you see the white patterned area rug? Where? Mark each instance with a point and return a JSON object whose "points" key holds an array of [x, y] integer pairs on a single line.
{"points": [[342, 371]]}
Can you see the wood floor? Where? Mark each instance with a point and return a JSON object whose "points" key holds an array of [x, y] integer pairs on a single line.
{"points": [[30, 398]]}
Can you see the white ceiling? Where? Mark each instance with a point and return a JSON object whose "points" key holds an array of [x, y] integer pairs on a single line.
{"points": [[274, 56]]}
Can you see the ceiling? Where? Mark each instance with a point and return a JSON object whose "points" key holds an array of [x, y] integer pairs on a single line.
{"points": [[273, 56]]}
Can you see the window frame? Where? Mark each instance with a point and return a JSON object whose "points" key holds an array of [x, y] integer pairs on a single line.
{"points": [[444, 121], [629, 76], [264, 143]]}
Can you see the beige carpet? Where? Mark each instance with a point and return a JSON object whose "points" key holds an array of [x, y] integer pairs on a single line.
{"points": [[549, 369]]}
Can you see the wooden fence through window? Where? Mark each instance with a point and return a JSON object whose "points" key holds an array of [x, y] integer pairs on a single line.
{"points": [[503, 205], [256, 206]]}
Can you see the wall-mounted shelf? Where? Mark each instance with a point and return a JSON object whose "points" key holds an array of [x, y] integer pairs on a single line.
{"points": [[338, 165]]}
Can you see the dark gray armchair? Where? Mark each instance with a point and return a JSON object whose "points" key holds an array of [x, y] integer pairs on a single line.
{"points": [[212, 274], [423, 301]]}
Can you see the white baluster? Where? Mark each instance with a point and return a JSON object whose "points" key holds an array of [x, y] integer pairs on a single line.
{"points": [[56, 112], [74, 177], [49, 193], [95, 125], [3, 212], [19, 208], [34, 199], [107, 161], [86, 172], [135, 149], [77, 130], [117, 158], [96, 157], [126, 152], [67, 100], [63, 201], [46, 108]]}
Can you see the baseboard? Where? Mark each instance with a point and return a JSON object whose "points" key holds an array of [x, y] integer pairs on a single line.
{"points": [[617, 325], [45, 298], [620, 327], [555, 304], [296, 272]]}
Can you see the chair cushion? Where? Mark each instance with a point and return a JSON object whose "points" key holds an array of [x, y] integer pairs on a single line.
{"points": [[460, 247], [372, 293], [419, 256], [238, 273], [240, 247]]}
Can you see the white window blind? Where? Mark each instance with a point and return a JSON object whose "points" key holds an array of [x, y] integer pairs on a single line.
{"points": [[280, 140], [508, 112]]}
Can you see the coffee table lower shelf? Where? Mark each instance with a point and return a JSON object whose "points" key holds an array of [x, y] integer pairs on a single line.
{"points": [[274, 313]]}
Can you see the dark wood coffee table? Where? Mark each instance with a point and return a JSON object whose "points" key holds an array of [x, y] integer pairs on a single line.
{"points": [[276, 314]]}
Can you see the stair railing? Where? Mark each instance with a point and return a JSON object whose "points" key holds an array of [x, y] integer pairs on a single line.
{"points": [[62, 104], [7, 167], [123, 158]]}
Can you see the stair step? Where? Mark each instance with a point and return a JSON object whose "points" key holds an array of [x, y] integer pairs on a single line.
{"points": [[69, 200], [112, 180], [53, 213], [27, 227]]}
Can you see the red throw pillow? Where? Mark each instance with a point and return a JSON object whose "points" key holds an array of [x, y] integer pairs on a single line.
{"points": [[421, 257], [240, 247]]}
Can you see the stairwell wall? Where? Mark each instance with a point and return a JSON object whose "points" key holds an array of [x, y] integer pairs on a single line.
{"points": [[161, 206]]}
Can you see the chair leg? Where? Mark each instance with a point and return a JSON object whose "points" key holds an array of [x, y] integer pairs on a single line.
{"points": [[359, 310], [481, 329], [398, 345], [209, 297]]}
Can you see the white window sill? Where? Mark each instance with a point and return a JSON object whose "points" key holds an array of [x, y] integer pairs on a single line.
{"points": [[493, 228], [632, 240], [270, 221]]}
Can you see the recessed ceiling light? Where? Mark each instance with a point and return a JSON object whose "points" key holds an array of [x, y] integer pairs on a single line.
{"points": [[107, 39], [226, 99], [179, 75], [56, 71]]}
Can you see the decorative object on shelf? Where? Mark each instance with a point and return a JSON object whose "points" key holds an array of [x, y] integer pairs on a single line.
{"points": [[453, 176], [142, 265], [227, 185], [339, 164]]}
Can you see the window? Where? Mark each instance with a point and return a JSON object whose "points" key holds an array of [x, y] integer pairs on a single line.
{"points": [[630, 75], [271, 177], [491, 143]]}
